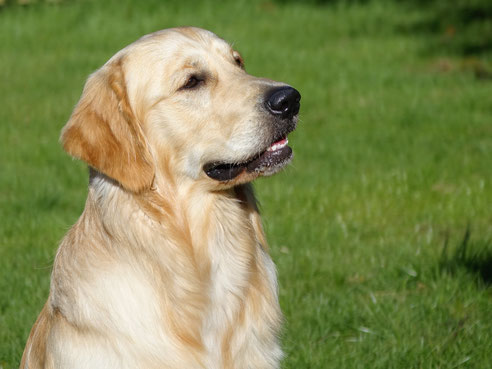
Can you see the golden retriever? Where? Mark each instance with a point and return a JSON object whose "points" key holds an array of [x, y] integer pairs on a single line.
{"points": [[168, 267]]}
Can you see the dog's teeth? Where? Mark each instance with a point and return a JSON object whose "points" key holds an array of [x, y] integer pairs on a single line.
{"points": [[278, 145]]}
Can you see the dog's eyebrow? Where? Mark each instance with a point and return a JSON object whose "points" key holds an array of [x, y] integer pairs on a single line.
{"points": [[197, 65], [192, 63]]}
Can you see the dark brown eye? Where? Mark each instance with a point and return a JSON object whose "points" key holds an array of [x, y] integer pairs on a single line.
{"points": [[192, 82]]}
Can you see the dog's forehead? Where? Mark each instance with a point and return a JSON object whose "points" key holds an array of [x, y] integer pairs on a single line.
{"points": [[162, 58], [187, 41], [172, 46]]}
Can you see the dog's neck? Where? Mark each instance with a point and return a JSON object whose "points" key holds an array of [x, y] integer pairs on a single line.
{"points": [[213, 240], [166, 206], [201, 220]]}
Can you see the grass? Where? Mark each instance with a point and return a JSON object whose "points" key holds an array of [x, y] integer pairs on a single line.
{"points": [[381, 228]]}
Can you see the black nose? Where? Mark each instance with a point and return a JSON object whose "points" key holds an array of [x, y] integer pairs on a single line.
{"points": [[283, 102]]}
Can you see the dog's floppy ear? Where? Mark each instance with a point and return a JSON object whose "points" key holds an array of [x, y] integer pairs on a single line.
{"points": [[104, 132]]}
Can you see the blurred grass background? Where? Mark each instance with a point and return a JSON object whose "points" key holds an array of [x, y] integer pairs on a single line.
{"points": [[382, 227]]}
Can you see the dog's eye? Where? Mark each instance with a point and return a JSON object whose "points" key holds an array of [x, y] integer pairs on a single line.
{"points": [[192, 82]]}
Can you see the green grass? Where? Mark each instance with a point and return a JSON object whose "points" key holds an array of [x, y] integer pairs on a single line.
{"points": [[381, 228]]}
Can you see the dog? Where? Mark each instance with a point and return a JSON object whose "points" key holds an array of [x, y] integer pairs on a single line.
{"points": [[168, 266]]}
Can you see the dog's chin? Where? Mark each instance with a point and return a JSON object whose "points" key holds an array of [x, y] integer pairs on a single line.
{"points": [[267, 163]]}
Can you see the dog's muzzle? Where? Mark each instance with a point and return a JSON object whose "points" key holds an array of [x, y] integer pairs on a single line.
{"points": [[282, 103]]}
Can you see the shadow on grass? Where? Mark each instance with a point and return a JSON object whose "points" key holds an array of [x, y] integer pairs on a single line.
{"points": [[322, 2], [473, 256], [462, 27]]}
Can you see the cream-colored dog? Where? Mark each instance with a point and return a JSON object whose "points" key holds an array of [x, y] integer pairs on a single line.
{"points": [[167, 266]]}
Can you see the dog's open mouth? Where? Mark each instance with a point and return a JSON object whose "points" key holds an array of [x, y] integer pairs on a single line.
{"points": [[276, 156]]}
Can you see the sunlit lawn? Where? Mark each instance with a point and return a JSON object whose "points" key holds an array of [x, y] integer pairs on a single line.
{"points": [[382, 227]]}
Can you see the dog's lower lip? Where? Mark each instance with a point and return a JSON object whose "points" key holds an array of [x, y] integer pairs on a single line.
{"points": [[276, 154], [270, 158]]}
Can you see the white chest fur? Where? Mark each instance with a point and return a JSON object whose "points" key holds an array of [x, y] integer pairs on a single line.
{"points": [[151, 299], [243, 313]]}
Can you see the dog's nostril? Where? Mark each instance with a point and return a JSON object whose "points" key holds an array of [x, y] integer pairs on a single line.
{"points": [[283, 101]]}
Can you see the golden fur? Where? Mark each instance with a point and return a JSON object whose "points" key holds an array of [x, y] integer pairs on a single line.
{"points": [[165, 268]]}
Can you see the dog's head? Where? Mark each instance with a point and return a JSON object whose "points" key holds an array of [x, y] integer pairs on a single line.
{"points": [[179, 102]]}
